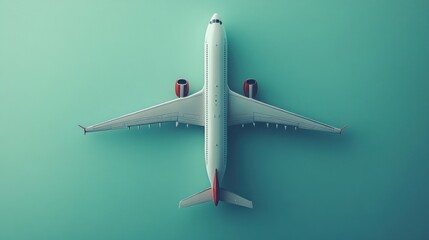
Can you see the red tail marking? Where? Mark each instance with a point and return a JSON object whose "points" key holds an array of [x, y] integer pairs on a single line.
{"points": [[216, 189]]}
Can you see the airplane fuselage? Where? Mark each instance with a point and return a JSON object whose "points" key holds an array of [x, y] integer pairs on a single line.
{"points": [[216, 100]]}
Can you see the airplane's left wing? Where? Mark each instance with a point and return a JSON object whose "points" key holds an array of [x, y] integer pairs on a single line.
{"points": [[188, 110], [243, 110]]}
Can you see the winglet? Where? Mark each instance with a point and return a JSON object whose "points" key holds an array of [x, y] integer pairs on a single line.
{"points": [[344, 128], [84, 129]]}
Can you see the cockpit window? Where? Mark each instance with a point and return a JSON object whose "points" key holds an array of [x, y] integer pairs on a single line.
{"points": [[216, 21]]}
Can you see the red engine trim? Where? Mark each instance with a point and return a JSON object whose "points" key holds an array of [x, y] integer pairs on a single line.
{"points": [[246, 84], [177, 89], [185, 85]]}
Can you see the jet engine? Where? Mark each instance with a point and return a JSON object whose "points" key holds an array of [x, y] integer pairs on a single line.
{"points": [[181, 88], [250, 88]]}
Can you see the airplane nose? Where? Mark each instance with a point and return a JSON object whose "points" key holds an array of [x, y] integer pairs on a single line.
{"points": [[215, 16]]}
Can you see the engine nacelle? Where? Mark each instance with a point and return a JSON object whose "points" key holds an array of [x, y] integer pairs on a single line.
{"points": [[250, 88], [181, 88]]}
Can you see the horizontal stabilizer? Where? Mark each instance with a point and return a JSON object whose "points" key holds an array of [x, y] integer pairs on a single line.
{"points": [[233, 198], [201, 197], [207, 195]]}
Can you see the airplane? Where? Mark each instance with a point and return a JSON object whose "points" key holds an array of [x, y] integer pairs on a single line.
{"points": [[215, 107]]}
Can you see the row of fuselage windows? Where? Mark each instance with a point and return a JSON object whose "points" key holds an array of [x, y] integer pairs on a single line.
{"points": [[216, 21]]}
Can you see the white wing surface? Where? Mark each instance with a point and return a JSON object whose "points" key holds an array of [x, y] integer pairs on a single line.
{"points": [[243, 110], [188, 110]]}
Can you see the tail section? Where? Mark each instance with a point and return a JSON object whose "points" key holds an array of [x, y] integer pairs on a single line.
{"points": [[215, 193], [222, 195]]}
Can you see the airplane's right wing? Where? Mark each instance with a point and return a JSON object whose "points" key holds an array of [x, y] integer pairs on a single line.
{"points": [[188, 110], [243, 110]]}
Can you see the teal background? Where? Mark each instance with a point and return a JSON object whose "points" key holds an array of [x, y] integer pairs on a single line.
{"points": [[361, 63]]}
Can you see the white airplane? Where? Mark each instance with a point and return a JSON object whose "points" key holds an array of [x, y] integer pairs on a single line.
{"points": [[215, 107]]}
